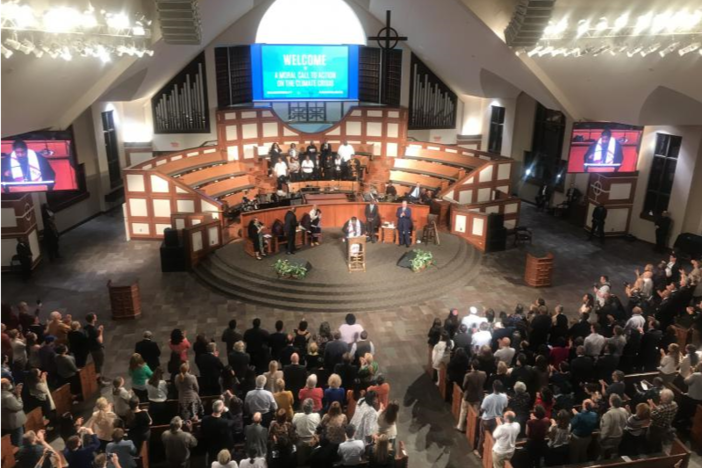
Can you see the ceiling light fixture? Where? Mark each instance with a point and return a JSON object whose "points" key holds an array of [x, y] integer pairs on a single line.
{"points": [[668, 49], [643, 22], [545, 51], [583, 27], [631, 53], [661, 22], [688, 49], [602, 25], [534, 51], [650, 50], [621, 22]]}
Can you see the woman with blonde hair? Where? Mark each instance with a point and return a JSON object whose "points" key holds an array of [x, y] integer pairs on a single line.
{"points": [[313, 360], [139, 372], [381, 453], [334, 392], [272, 376], [102, 421], [224, 460], [189, 401], [369, 367], [670, 362], [284, 398], [120, 397]]}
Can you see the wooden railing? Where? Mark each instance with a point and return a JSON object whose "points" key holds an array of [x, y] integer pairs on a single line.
{"points": [[429, 168], [211, 174]]}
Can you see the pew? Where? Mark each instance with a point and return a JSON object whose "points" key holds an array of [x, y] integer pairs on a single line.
{"points": [[429, 168], [238, 197], [212, 174], [631, 379], [696, 431], [35, 420], [63, 400], [184, 165], [451, 159], [349, 186], [473, 426], [444, 388], [684, 336], [142, 458], [8, 452], [430, 362], [456, 401], [227, 186], [88, 381], [411, 180]]}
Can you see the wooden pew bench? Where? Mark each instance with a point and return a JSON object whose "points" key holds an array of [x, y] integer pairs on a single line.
{"points": [[228, 186], [212, 174], [63, 400], [411, 180], [189, 164], [443, 157], [432, 169], [88, 381]]}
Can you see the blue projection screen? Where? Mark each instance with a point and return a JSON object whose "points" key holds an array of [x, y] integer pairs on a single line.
{"points": [[304, 72]]}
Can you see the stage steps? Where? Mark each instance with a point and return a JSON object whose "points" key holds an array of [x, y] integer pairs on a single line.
{"points": [[236, 282]]}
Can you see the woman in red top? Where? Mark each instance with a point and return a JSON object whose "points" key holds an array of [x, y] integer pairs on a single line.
{"points": [[352, 397], [559, 353], [382, 389], [313, 392], [545, 399], [179, 344], [536, 429]]}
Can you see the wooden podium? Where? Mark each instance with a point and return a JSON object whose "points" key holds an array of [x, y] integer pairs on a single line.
{"points": [[356, 253], [125, 300], [539, 270]]}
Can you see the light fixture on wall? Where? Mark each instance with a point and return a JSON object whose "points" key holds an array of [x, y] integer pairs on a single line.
{"points": [[67, 32]]}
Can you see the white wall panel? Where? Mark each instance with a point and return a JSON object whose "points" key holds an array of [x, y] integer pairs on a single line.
{"points": [[465, 197], [185, 206], [483, 195], [196, 238], [616, 219], [161, 227], [390, 149], [460, 225], [503, 171], [270, 129], [162, 208], [353, 128], [8, 218], [478, 226], [159, 185], [374, 129], [620, 191], [135, 183], [140, 228], [485, 174], [232, 153], [393, 130], [249, 131], [213, 235], [511, 208], [137, 207]]}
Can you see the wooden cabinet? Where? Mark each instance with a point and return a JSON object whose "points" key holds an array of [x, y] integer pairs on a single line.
{"points": [[539, 270], [125, 300]]}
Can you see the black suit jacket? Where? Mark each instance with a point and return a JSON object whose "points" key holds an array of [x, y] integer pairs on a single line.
{"points": [[290, 223], [334, 353], [347, 372], [287, 352], [217, 433], [295, 377], [582, 370], [277, 342], [605, 366], [210, 369], [239, 362], [150, 352], [372, 217]]}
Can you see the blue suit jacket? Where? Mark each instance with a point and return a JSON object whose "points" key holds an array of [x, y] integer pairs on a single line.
{"points": [[404, 223]]}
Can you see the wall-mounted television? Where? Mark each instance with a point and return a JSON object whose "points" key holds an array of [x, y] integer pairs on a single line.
{"points": [[304, 72], [604, 147], [38, 162]]}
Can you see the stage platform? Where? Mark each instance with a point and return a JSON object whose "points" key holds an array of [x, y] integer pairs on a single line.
{"points": [[330, 287]]}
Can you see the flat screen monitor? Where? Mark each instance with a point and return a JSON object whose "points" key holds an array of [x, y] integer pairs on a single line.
{"points": [[38, 162], [604, 147], [304, 72]]}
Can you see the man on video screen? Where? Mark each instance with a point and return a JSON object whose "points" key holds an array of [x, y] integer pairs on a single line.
{"points": [[24, 167], [606, 150]]}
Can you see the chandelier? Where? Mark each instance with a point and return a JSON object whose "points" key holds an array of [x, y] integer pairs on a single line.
{"points": [[65, 32]]}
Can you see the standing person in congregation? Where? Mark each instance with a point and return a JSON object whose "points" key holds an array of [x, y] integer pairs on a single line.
{"points": [[290, 228], [51, 232], [281, 172], [599, 215], [307, 169], [663, 224], [415, 193], [505, 436], [314, 156], [404, 224], [372, 220], [149, 351]]}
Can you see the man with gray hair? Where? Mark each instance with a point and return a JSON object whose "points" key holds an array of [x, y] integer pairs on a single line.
{"points": [[261, 401], [256, 437], [662, 415], [149, 351], [612, 427], [178, 443], [305, 424], [217, 430]]}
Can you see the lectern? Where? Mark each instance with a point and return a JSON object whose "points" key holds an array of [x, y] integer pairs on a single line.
{"points": [[356, 253], [125, 300]]}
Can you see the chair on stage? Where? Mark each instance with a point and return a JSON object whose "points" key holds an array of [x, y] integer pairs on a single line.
{"points": [[356, 253], [430, 232]]}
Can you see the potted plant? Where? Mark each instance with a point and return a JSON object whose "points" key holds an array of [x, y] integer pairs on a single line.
{"points": [[285, 269], [422, 259]]}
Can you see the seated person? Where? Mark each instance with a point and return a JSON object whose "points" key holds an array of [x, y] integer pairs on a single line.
{"points": [[415, 194], [390, 192]]}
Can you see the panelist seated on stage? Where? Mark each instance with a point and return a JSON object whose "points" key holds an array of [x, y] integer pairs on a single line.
{"points": [[24, 166], [404, 224]]}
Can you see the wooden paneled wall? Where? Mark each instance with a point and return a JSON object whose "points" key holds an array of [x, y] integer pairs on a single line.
{"points": [[616, 192], [19, 221]]}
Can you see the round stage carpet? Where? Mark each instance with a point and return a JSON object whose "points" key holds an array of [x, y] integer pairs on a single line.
{"points": [[329, 286]]}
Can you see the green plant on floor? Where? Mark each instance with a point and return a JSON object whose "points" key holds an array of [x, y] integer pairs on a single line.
{"points": [[422, 259], [286, 269]]}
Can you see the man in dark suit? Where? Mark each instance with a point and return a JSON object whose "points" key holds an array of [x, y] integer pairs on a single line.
{"points": [[239, 360], [149, 351], [663, 224], [287, 352], [210, 370], [334, 351], [607, 363], [404, 224], [290, 227], [256, 340], [581, 368], [231, 336], [540, 328], [295, 376], [346, 370], [217, 430], [559, 327], [277, 340], [599, 215], [581, 328], [372, 220]]}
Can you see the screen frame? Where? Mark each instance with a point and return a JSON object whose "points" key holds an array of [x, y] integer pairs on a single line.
{"points": [[600, 125], [70, 196], [256, 51]]}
